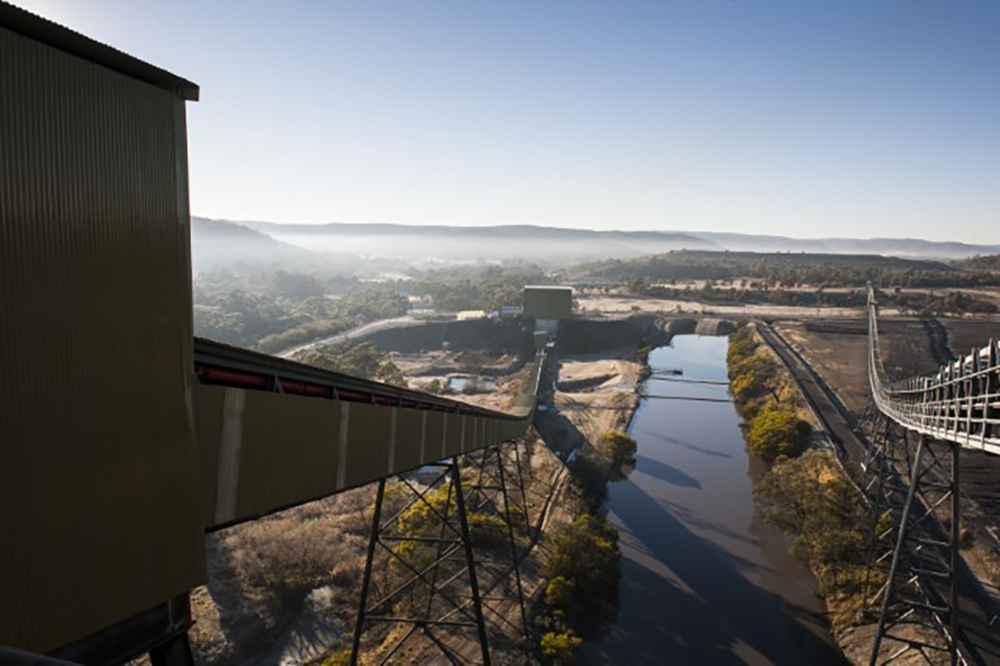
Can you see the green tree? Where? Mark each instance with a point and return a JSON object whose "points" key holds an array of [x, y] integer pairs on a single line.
{"points": [[777, 432], [559, 594], [559, 648], [361, 360], [586, 553], [811, 498], [754, 378], [620, 450], [637, 285]]}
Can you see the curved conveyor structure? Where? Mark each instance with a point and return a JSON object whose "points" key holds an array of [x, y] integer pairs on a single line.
{"points": [[961, 403]]}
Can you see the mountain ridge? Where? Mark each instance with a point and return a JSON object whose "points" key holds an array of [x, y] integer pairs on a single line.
{"points": [[682, 239]]}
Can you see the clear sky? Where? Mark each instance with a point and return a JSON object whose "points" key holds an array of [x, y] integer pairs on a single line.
{"points": [[795, 117]]}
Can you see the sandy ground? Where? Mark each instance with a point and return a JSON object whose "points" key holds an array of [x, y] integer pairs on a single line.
{"points": [[493, 381], [619, 305], [987, 293], [590, 394]]}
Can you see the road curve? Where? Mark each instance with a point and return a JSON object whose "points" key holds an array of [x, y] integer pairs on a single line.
{"points": [[360, 331]]}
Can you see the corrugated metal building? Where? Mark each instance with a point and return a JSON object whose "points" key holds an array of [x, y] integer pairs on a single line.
{"points": [[96, 347], [548, 302], [122, 440]]}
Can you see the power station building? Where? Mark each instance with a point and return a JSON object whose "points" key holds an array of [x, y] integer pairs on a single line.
{"points": [[548, 302]]}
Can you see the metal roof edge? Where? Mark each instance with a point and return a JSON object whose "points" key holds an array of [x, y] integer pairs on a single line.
{"points": [[48, 32]]}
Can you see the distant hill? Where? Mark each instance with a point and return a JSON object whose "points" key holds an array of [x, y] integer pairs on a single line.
{"points": [[220, 244], [535, 243], [898, 247], [444, 243]]}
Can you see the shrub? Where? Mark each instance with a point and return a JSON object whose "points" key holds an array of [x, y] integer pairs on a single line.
{"points": [[559, 648], [591, 473], [753, 379], [586, 553], [342, 658], [302, 333], [777, 432], [814, 500], [559, 594], [358, 360], [742, 345], [486, 530], [619, 448]]}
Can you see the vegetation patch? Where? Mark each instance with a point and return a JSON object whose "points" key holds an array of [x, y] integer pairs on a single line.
{"points": [[358, 360], [766, 398], [582, 569], [608, 460], [811, 497], [776, 431], [582, 564], [766, 271], [804, 492], [271, 311]]}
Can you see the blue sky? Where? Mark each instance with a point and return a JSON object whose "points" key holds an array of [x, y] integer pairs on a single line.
{"points": [[797, 117]]}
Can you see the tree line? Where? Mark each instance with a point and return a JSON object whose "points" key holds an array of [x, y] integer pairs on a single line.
{"points": [[804, 492], [778, 269]]}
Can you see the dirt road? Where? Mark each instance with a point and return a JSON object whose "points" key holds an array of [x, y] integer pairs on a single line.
{"points": [[366, 329]]}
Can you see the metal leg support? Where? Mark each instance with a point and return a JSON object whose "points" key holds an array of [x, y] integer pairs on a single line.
{"points": [[433, 567], [919, 599]]}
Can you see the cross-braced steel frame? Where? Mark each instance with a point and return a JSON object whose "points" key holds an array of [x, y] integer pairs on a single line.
{"points": [[911, 581], [428, 546]]}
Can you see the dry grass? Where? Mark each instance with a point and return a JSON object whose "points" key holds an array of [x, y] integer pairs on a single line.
{"points": [[262, 575]]}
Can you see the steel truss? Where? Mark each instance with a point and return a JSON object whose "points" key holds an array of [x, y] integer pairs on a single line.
{"points": [[911, 584], [431, 581]]}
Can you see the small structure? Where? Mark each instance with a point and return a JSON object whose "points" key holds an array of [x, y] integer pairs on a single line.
{"points": [[466, 315], [548, 302], [510, 311]]}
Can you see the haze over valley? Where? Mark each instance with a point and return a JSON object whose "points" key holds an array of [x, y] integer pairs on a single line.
{"points": [[364, 247]]}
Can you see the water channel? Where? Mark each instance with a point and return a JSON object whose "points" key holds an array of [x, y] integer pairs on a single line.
{"points": [[703, 580]]}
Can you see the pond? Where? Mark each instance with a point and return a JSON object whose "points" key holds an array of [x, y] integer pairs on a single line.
{"points": [[460, 384]]}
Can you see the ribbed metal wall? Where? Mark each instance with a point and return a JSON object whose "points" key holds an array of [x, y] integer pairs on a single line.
{"points": [[548, 302], [261, 452], [101, 516]]}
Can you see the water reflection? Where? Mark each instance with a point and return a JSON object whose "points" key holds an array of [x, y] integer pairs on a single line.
{"points": [[702, 580]]}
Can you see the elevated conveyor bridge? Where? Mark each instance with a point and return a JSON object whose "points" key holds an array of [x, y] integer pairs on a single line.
{"points": [[959, 404], [927, 602]]}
